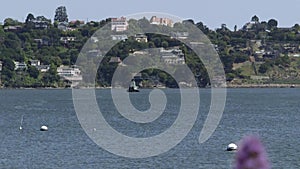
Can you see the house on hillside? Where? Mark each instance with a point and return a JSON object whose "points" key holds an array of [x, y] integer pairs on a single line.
{"points": [[41, 22], [69, 73], [115, 60], [12, 28], [141, 38], [67, 39], [179, 35], [39, 66], [172, 56], [161, 21], [34, 62], [119, 37], [119, 24], [20, 65], [63, 26]]}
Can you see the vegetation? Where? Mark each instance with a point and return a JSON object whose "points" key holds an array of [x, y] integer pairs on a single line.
{"points": [[272, 51]]}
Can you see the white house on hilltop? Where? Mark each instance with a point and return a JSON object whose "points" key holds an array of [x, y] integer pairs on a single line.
{"points": [[119, 24]]}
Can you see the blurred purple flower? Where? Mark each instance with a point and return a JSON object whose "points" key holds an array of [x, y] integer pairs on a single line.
{"points": [[251, 154]]}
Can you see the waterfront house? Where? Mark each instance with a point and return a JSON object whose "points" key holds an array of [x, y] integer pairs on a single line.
{"points": [[69, 73]]}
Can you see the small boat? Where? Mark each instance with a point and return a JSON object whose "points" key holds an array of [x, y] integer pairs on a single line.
{"points": [[133, 87]]}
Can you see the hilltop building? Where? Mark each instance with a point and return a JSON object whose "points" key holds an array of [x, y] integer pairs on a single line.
{"points": [[161, 21], [119, 24]]}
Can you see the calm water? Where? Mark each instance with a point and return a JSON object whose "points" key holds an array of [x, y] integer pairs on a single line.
{"points": [[274, 114]]}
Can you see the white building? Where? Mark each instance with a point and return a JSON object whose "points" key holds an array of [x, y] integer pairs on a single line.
{"points": [[20, 65], [43, 68], [67, 39], [141, 38], [69, 73], [161, 21], [119, 37], [119, 24], [180, 35], [35, 63], [172, 56]]}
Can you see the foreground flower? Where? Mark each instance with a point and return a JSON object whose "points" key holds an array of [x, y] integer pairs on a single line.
{"points": [[251, 154]]}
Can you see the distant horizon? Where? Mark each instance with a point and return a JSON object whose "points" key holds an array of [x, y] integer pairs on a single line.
{"points": [[211, 13]]}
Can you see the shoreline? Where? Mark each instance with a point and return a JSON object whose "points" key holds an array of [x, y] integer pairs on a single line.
{"points": [[263, 86], [227, 86]]}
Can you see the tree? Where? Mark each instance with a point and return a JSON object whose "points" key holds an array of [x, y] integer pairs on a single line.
{"points": [[29, 18], [165, 44], [272, 23], [50, 77], [33, 72], [254, 19], [61, 14], [235, 28], [296, 27], [263, 68], [8, 64], [191, 21], [11, 22]]}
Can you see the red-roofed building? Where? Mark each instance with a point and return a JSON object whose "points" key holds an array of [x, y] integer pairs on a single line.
{"points": [[161, 21]]}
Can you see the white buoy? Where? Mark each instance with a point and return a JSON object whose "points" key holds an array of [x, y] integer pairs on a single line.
{"points": [[44, 128], [231, 147], [21, 128]]}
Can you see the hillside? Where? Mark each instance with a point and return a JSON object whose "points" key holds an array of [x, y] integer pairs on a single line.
{"points": [[258, 53]]}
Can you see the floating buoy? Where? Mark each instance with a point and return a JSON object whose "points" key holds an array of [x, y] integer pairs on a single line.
{"points": [[44, 128], [231, 147], [20, 128]]}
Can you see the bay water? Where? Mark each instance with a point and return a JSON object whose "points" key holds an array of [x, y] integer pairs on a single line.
{"points": [[272, 113]]}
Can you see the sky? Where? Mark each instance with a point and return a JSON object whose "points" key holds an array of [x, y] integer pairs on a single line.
{"points": [[212, 13]]}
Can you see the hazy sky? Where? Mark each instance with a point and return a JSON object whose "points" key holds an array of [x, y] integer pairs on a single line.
{"points": [[211, 12]]}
